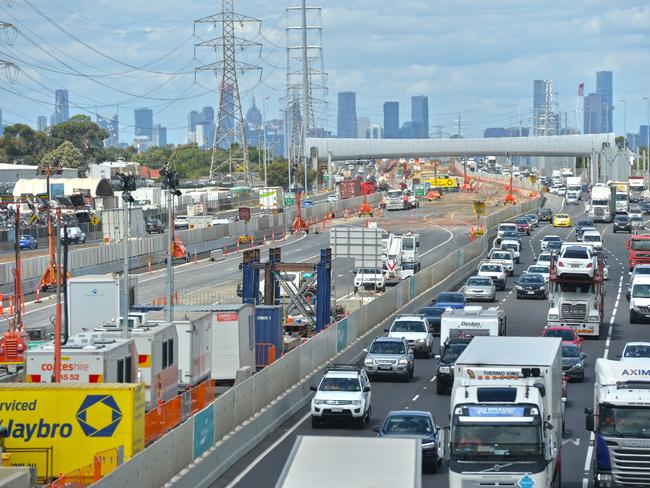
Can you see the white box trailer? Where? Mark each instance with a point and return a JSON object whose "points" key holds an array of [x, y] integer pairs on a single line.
{"points": [[157, 348], [327, 461], [194, 331], [90, 357], [93, 300], [472, 320], [233, 340], [271, 199]]}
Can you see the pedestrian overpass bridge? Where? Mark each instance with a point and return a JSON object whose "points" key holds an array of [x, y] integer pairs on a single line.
{"points": [[581, 145]]}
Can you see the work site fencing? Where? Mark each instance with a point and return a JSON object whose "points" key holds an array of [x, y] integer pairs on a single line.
{"points": [[152, 249], [245, 414], [103, 463]]}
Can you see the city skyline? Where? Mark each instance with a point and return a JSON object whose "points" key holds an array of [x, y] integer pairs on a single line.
{"points": [[468, 71]]}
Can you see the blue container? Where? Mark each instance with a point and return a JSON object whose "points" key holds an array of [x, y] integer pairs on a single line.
{"points": [[268, 330]]}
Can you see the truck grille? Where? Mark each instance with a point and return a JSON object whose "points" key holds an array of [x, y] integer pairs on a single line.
{"points": [[630, 466], [644, 310], [497, 482], [572, 311]]}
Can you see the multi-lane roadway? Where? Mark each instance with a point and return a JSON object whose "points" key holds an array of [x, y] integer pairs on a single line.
{"points": [[263, 465]]}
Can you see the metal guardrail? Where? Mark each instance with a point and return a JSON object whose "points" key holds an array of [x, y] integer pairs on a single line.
{"points": [[251, 410]]}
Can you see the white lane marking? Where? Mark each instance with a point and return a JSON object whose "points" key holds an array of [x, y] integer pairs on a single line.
{"points": [[340, 275], [259, 458], [590, 451], [415, 398], [432, 379], [451, 236]]}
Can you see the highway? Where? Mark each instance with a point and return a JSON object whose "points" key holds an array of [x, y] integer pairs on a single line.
{"points": [[263, 465], [224, 275]]}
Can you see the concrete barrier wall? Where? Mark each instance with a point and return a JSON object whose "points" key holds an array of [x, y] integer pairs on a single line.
{"points": [[251, 410], [105, 258]]}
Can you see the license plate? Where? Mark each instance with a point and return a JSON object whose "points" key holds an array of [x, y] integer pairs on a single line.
{"points": [[337, 410], [530, 292], [584, 331], [385, 366]]}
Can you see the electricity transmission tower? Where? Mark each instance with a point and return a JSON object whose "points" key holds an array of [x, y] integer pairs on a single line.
{"points": [[9, 31], [306, 96], [230, 128]]}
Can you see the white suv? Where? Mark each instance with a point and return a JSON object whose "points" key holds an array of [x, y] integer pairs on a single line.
{"points": [[369, 278], [546, 239], [576, 260], [504, 257], [417, 332], [495, 271], [593, 237], [343, 393], [506, 227]]}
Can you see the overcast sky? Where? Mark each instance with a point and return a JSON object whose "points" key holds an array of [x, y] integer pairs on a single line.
{"points": [[477, 58]]}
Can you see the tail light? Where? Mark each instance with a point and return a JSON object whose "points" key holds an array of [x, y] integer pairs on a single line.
{"points": [[590, 265], [560, 264]]}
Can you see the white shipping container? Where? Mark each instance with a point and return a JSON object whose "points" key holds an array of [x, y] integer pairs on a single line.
{"points": [[196, 209], [86, 358], [233, 340], [93, 301], [113, 223]]}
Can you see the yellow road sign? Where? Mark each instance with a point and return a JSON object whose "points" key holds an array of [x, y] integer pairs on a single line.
{"points": [[95, 220], [479, 207]]}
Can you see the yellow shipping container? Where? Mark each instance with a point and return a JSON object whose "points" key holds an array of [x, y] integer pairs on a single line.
{"points": [[59, 427]]}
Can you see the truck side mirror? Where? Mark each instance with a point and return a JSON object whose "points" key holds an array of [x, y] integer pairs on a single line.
{"points": [[443, 443], [627, 295], [589, 419], [313, 388]]}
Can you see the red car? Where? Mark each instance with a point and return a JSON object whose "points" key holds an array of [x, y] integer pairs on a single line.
{"points": [[567, 334], [523, 226]]}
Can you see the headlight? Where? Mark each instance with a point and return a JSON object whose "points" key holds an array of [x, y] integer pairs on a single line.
{"points": [[553, 316], [422, 340], [429, 445], [594, 318], [320, 402], [356, 402], [403, 361], [368, 361], [519, 287], [604, 477], [444, 369]]}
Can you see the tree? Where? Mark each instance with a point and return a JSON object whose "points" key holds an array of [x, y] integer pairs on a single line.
{"points": [[21, 143], [83, 133], [64, 156]]}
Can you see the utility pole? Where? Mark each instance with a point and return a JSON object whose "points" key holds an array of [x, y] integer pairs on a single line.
{"points": [[128, 185], [170, 184], [624, 124], [266, 182], [230, 126], [647, 141], [459, 121]]}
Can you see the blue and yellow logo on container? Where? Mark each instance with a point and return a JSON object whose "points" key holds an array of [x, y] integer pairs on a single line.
{"points": [[99, 415]]}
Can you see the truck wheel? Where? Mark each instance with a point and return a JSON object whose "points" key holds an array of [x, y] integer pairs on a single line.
{"points": [[356, 289], [440, 390], [360, 422]]}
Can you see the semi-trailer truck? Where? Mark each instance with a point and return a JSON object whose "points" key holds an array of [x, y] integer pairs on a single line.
{"points": [[636, 188], [621, 196], [600, 209], [574, 184], [619, 420], [506, 413]]}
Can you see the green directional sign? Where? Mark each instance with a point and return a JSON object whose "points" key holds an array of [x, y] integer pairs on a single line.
{"points": [[419, 190], [289, 199]]}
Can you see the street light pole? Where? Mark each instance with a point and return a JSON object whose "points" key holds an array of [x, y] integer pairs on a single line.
{"points": [[647, 141], [266, 183]]}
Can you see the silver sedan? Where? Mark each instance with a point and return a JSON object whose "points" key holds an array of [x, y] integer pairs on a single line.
{"points": [[480, 288]]}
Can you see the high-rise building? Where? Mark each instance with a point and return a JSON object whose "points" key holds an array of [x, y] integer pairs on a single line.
{"points": [[643, 136], [110, 123], [254, 116], [605, 90], [41, 123], [362, 127], [61, 107], [347, 115], [391, 120], [546, 120], [373, 132], [193, 118], [420, 116], [495, 132], [207, 115], [593, 114], [144, 123], [159, 135]]}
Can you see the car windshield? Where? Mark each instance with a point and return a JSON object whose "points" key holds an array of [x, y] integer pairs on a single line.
{"points": [[452, 351], [510, 245], [431, 311], [369, 271], [501, 255], [521, 221], [552, 239], [340, 384], [491, 268], [387, 347], [624, 421], [26, 237], [544, 257], [575, 253], [532, 279], [570, 352], [451, 298], [585, 223], [505, 227], [561, 216], [641, 291], [409, 326], [640, 244], [502, 441], [622, 218], [565, 335], [539, 269], [479, 282], [641, 270], [637, 351], [591, 238], [554, 245], [408, 424]]}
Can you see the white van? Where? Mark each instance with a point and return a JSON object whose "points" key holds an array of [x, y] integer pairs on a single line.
{"points": [[505, 227], [639, 298], [512, 245], [593, 237]]}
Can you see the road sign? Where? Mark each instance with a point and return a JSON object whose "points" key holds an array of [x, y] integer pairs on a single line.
{"points": [[419, 191], [95, 220], [364, 245], [479, 207], [245, 214], [289, 199]]}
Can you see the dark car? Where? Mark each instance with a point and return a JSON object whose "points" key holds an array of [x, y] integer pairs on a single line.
{"points": [[433, 315], [573, 362], [154, 226], [645, 207], [452, 349], [523, 226], [583, 223], [414, 424], [545, 215], [554, 246], [447, 299], [622, 223], [531, 285], [28, 242]]}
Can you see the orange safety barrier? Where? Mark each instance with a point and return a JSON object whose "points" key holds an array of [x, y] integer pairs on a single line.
{"points": [[166, 416], [265, 354], [103, 463]]}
